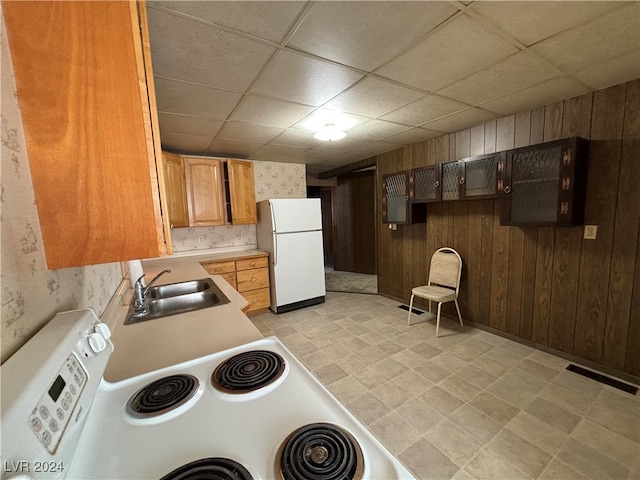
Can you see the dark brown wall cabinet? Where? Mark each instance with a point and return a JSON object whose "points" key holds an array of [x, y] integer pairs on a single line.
{"points": [[545, 184], [397, 200], [472, 178]]}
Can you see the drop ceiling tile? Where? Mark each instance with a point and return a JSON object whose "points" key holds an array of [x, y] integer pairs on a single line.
{"points": [[424, 110], [461, 120], [318, 116], [296, 138], [268, 20], [280, 153], [612, 72], [342, 145], [196, 53], [186, 144], [313, 156], [544, 93], [303, 79], [249, 132], [376, 129], [608, 36], [270, 112], [372, 97], [186, 125], [515, 73], [456, 50], [232, 148], [415, 135], [195, 100], [530, 22], [373, 148], [366, 34]]}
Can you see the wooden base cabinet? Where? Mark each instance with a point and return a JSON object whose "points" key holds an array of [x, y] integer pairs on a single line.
{"points": [[249, 276]]}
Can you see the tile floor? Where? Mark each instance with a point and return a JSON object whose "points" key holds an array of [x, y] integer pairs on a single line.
{"points": [[467, 404]]}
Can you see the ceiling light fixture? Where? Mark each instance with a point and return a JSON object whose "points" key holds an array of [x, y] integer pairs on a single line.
{"points": [[329, 132]]}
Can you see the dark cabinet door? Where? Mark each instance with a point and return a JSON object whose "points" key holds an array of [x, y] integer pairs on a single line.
{"points": [[480, 175], [426, 184], [451, 181], [545, 184], [397, 204]]}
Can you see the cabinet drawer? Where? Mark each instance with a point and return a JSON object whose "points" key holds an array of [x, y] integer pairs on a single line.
{"points": [[230, 278], [217, 268], [258, 300], [249, 263], [253, 279]]}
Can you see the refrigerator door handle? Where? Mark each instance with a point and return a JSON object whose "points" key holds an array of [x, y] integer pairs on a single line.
{"points": [[275, 249], [275, 237]]}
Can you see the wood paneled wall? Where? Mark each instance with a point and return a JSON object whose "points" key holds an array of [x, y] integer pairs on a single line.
{"points": [[543, 284]]}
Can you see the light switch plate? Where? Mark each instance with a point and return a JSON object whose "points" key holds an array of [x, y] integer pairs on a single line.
{"points": [[590, 232]]}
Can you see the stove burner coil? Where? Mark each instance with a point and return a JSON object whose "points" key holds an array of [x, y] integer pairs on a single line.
{"points": [[319, 451], [162, 395], [248, 371], [210, 469]]}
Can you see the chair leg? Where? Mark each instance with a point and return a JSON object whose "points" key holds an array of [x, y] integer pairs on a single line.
{"points": [[410, 308], [438, 319], [458, 309]]}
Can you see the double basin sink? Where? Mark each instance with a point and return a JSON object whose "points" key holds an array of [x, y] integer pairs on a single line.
{"points": [[181, 297]]}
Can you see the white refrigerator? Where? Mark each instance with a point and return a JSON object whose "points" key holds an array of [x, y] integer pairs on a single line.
{"points": [[290, 229]]}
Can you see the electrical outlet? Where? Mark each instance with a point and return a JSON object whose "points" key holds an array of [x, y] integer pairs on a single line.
{"points": [[201, 239], [590, 232]]}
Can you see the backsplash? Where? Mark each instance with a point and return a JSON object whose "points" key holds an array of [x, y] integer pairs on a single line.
{"points": [[32, 294], [272, 180]]}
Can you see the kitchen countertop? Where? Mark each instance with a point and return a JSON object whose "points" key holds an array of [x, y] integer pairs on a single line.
{"points": [[153, 344]]}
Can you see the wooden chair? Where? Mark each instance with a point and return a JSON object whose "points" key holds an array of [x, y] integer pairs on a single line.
{"points": [[443, 284]]}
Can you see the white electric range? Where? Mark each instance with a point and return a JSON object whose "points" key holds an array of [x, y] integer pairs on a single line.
{"points": [[250, 412]]}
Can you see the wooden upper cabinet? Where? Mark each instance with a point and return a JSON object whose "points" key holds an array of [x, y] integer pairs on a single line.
{"points": [[242, 193], [545, 184], [176, 190], [398, 206], [89, 128], [204, 179]]}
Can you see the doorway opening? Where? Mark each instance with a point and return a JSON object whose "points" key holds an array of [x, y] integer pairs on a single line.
{"points": [[349, 233]]}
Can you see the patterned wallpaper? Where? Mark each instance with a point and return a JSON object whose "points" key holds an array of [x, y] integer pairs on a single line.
{"points": [[32, 294], [272, 180]]}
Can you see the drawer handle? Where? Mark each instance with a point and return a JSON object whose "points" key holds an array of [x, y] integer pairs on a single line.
{"points": [[253, 279], [252, 264]]}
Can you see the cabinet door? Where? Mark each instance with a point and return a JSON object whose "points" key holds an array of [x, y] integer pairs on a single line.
{"points": [[395, 200], [426, 184], [545, 184], [451, 184], [242, 195], [480, 176], [205, 191], [175, 188], [81, 83]]}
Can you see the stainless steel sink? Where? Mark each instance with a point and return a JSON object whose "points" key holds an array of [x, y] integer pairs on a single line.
{"points": [[181, 288], [182, 297]]}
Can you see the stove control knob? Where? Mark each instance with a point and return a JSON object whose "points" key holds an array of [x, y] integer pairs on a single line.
{"points": [[103, 329], [97, 342]]}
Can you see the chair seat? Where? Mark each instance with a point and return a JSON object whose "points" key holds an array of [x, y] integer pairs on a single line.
{"points": [[434, 293]]}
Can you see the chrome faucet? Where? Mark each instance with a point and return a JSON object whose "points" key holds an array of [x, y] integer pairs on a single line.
{"points": [[141, 303]]}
